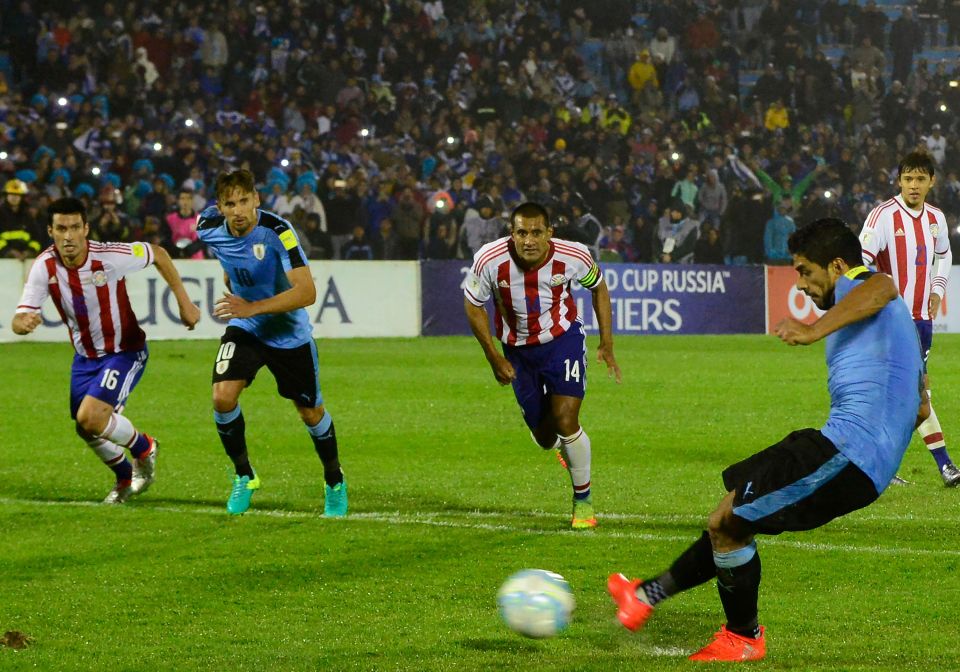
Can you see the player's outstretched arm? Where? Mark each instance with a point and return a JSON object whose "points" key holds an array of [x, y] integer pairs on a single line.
{"points": [[302, 293], [863, 301], [23, 323], [189, 312], [600, 297], [477, 316]]}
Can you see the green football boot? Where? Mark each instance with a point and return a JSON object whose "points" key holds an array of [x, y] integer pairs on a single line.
{"points": [[243, 487]]}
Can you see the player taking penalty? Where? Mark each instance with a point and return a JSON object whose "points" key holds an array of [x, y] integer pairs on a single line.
{"points": [[269, 284], [529, 276], [903, 237], [85, 280], [877, 398]]}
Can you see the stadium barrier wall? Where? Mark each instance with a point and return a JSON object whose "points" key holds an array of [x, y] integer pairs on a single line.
{"points": [[646, 299], [372, 298], [405, 299], [785, 300]]}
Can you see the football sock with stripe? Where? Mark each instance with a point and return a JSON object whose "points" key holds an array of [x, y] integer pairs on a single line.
{"points": [[112, 455], [324, 437], [695, 566], [576, 451], [232, 431], [738, 582], [932, 435], [121, 431]]}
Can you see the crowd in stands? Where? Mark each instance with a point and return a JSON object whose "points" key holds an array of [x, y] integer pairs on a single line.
{"points": [[402, 129]]}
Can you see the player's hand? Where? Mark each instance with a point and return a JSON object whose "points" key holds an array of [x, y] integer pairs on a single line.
{"points": [[605, 355], [189, 315], [502, 369], [24, 323], [794, 332], [934, 306], [231, 305]]}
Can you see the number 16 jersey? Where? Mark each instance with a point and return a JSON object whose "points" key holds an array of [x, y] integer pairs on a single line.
{"points": [[257, 265]]}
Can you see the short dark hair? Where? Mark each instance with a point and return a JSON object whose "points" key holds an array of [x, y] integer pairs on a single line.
{"points": [[827, 239], [67, 206], [917, 161], [530, 210], [239, 179]]}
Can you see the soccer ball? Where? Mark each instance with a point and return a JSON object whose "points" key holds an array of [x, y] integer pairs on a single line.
{"points": [[535, 603]]}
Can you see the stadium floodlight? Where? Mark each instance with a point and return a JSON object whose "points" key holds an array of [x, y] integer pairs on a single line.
{"points": [[95, 170], [61, 101], [285, 163], [188, 123], [364, 132], [451, 139], [157, 146]]}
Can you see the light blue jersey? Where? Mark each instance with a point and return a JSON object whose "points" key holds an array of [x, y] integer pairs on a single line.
{"points": [[257, 265], [874, 377]]}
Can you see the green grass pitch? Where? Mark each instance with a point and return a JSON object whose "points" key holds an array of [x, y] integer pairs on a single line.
{"points": [[449, 496]]}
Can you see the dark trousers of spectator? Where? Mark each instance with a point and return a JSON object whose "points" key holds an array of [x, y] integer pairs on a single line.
{"points": [[409, 248], [902, 64]]}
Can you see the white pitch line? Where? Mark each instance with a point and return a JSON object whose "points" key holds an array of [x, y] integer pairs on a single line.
{"points": [[441, 519]]}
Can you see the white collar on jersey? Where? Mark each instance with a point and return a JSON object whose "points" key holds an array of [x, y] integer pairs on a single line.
{"points": [[914, 213]]}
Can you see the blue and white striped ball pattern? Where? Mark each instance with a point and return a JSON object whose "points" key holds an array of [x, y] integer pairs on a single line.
{"points": [[536, 603]]}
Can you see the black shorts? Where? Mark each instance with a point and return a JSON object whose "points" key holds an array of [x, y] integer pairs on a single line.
{"points": [[801, 483], [296, 371]]}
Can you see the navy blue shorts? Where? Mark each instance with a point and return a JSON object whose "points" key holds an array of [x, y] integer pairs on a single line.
{"points": [[925, 332], [555, 368], [110, 379]]}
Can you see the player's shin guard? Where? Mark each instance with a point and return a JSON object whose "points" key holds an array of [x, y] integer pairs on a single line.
{"points": [[576, 452], [121, 431], [324, 437], [693, 568], [112, 455], [932, 435], [738, 582], [232, 431]]}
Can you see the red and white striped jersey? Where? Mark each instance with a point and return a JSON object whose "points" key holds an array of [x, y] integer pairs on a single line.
{"points": [[535, 306], [902, 243], [92, 299]]}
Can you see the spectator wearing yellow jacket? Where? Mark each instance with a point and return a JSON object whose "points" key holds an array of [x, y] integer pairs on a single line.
{"points": [[642, 73], [777, 116]]}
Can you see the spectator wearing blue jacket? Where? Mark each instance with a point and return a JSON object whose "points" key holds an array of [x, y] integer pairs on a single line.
{"points": [[777, 231]]}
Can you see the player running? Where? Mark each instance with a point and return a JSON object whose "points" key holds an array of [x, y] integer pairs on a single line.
{"points": [[900, 238], [875, 378], [269, 286], [86, 281], [528, 274]]}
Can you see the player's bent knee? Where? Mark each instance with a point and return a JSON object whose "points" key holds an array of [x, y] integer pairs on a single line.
{"points": [[311, 416], [225, 399], [90, 424]]}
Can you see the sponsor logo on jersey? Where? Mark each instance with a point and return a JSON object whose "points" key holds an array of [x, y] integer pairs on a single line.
{"points": [[138, 250], [259, 251], [222, 367], [288, 239], [504, 284], [99, 279], [935, 229], [558, 280], [899, 232]]}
